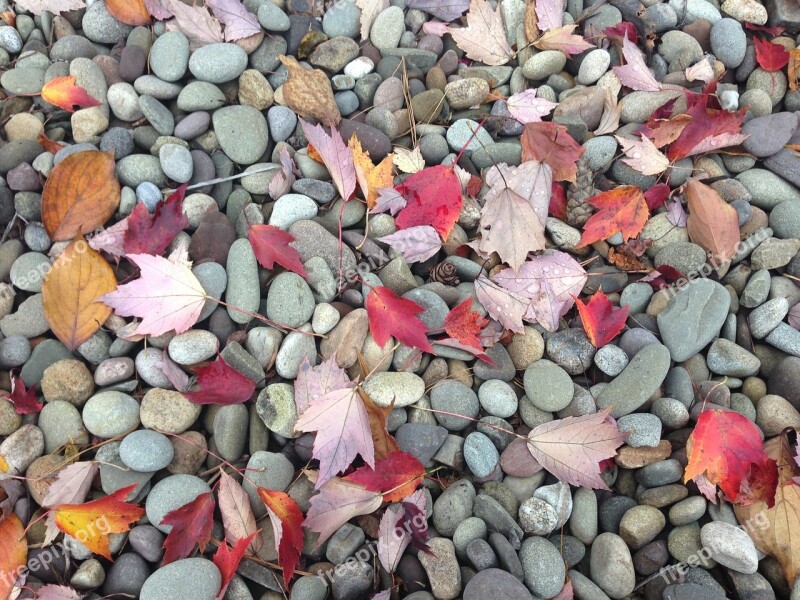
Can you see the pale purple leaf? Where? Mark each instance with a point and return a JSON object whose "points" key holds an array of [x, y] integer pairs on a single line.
{"points": [[313, 382], [284, 179], [453, 343], [338, 158], [437, 28], [525, 107], [416, 244], [635, 74], [506, 307], [794, 316], [199, 26], [174, 374], [158, 9], [52, 591], [71, 485], [532, 180], [676, 214], [336, 503], [392, 540], [238, 22], [389, 199], [382, 595], [111, 240], [549, 14], [446, 10]]}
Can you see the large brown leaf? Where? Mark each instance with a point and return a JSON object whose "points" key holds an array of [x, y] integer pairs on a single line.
{"points": [[71, 293], [130, 12], [776, 530], [80, 195], [308, 93], [712, 223]]}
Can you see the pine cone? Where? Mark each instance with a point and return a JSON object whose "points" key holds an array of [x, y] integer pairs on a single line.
{"points": [[578, 210], [445, 273]]}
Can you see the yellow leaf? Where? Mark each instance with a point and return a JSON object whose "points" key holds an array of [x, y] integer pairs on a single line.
{"points": [[3, 465], [370, 177]]}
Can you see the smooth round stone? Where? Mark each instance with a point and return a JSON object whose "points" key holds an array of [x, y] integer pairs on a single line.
{"points": [[68, 380], [176, 162], [342, 19], [170, 493], [480, 454], [498, 398], [611, 565], [730, 546], [148, 367], [640, 526], [146, 540], [101, 27], [543, 567], [402, 388], [272, 18], [218, 63], [593, 66], [290, 208], [230, 431], [387, 29], [157, 114], [543, 64], [282, 122], [491, 583], [728, 42], [687, 511], [548, 386], [61, 424], [456, 398], [269, 470], [192, 125], [109, 414], [139, 168], [460, 136], [145, 450], [276, 407], [611, 360], [200, 95], [199, 575], [193, 346], [169, 56], [243, 291], [10, 40], [242, 132], [168, 411], [29, 271], [113, 370], [289, 301]]}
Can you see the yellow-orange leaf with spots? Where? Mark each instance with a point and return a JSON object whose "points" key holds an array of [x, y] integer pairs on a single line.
{"points": [[371, 177]]}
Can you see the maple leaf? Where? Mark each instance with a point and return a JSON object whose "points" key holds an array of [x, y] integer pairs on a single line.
{"points": [[166, 297], [199, 26], [396, 476], [273, 245], [713, 223], [676, 215], [336, 502], [601, 322], [71, 485], [532, 180], [665, 131], [484, 38], [239, 23], [24, 399], [634, 73], [770, 57], [371, 177], [382, 440], [620, 31], [342, 425], [464, 324], [724, 446], [656, 196], [549, 13], [313, 382], [662, 277], [446, 11], [370, 9], [408, 161], [643, 156], [572, 448], [392, 541], [708, 130], [612, 111], [549, 143], [393, 316], [56, 7], [557, 206], [146, 234], [622, 209], [94, 521], [111, 240], [284, 179], [174, 374], [415, 520], [433, 197], [389, 199], [525, 107], [237, 514], [286, 518], [158, 9], [563, 40], [62, 92], [190, 524], [220, 383], [702, 71], [506, 307], [227, 561], [336, 156], [13, 553], [416, 244], [57, 592]]}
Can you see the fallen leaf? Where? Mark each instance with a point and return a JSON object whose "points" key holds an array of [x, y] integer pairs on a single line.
{"points": [[382, 440], [549, 143], [600, 320], [572, 448], [558, 202], [284, 179], [80, 195], [483, 39], [566, 593], [634, 73], [656, 196], [723, 447], [446, 11], [92, 522], [526, 107], [662, 277], [708, 130], [389, 200], [713, 223], [416, 244], [220, 383], [774, 31], [191, 525], [227, 561], [793, 68], [130, 12], [337, 157], [531, 22], [287, 519], [308, 92], [62, 92], [273, 245], [72, 293], [237, 514], [464, 324], [199, 26], [13, 553], [174, 374], [643, 156], [609, 120], [415, 520], [408, 161], [49, 145], [370, 9], [57, 592], [313, 382], [158, 9], [371, 177], [563, 40], [24, 400], [342, 425], [336, 502], [769, 56], [397, 476], [56, 7], [392, 540], [393, 316], [700, 71], [625, 261], [506, 307], [433, 197], [676, 215], [152, 234], [794, 316], [665, 131], [72, 484], [549, 13], [622, 209], [239, 23], [111, 240]]}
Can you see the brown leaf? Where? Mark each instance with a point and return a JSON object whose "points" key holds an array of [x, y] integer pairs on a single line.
{"points": [[627, 262], [794, 67], [71, 293], [531, 20], [384, 441], [308, 93], [80, 195], [130, 12], [484, 38], [712, 223]]}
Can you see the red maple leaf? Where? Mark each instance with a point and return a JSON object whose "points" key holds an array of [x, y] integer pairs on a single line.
{"points": [[770, 56], [464, 324], [662, 277], [24, 399], [622, 209], [474, 186], [708, 130], [558, 202], [656, 196], [396, 477], [273, 245], [191, 524], [152, 234], [227, 560], [620, 31], [287, 521], [390, 315], [550, 143], [601, 321], [433, 197], [220, 383]]}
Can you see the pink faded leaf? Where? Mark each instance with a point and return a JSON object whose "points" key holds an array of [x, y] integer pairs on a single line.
{"points": [[382, 595], [284, 179], [635, 74], [57, 592], [237, 514], [676, 214], [238, 22], [416, 244], [176, 376], [609, 121], [392, 541], [389, 199], [343, 432], [336, 503], [643, 156], [313, 382], [484, 38], [71, 485], [158, 9], [453, 343], [563, 40], [525, 107], [702, 71], [532, 180], [199, 26], [705, 487], [506, 307], [370, 9], [437, 28], [549, 14], [572, 448], [111, 240], [54, 6], [338, 158], [447, 10]]}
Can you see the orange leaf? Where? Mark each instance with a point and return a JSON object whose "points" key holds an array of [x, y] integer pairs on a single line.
{"points": [[92, 522], [794, 67], [601, 322], [191, 524], [622, 209], [227, 561], [13, 552], [396, 477], [130, 12], [550, 143], [51, 146], [370, 177], [71, 292], [287, 520], [383, 441], [80, 195], [62, 92], [713, 223]]}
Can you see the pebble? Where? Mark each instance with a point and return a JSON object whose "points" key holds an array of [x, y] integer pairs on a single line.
{"points": [[548, 386], [145, 450], [198, 574], [109, 414], [242, 132], [730, 546], [456, 398], [611, 565], [543, 567]]}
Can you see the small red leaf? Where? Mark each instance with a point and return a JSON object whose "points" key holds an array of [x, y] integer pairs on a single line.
{"points": [[601, 322], [227, 560], [558, 202], [395, 477], [773, 31], [287, 520], [622, 30], [24, 399], [191, 524], [148, 234], [656, 196], [273, 245], [464, 324], [415, 522], [433, 197], [770, 56], [220, 383], [662, 277], [622, 209], [391, 315]]}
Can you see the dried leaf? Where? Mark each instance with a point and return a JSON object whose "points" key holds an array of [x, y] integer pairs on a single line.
{"points": [[62, 92], [191, 525], [643, 156], [525, 107], [130, 12], [635, 74], [676, 215], [393, 316], [622, 209], [72, 293], [549, 143], [24, 400], [389, 199], [80, 195], [408, 161], [174, 374], [600, 320], [195, 22], [702, 71], [220, 383], [794, 67], [308, 93], [13, 553], [506, 307], [392, 541], [72, 484], [563, 40], [464, 324], [158, 9], [416, 244], [713, 223], [272, 245], [337, 157], [284, 179], [609, 121], [370, 9], [237, 514], [449, 10], [56, 7], [396, 476], [238, 22], [708, 130], [57, 592], [287, 519], [313, 382], [371, 177], [227, 561], [437, 28], [152, 234], [111, 240], [335, 504], [484, 38], [433, 197], [383, 441], [549, 13], [531, 21], [770, 56]]}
